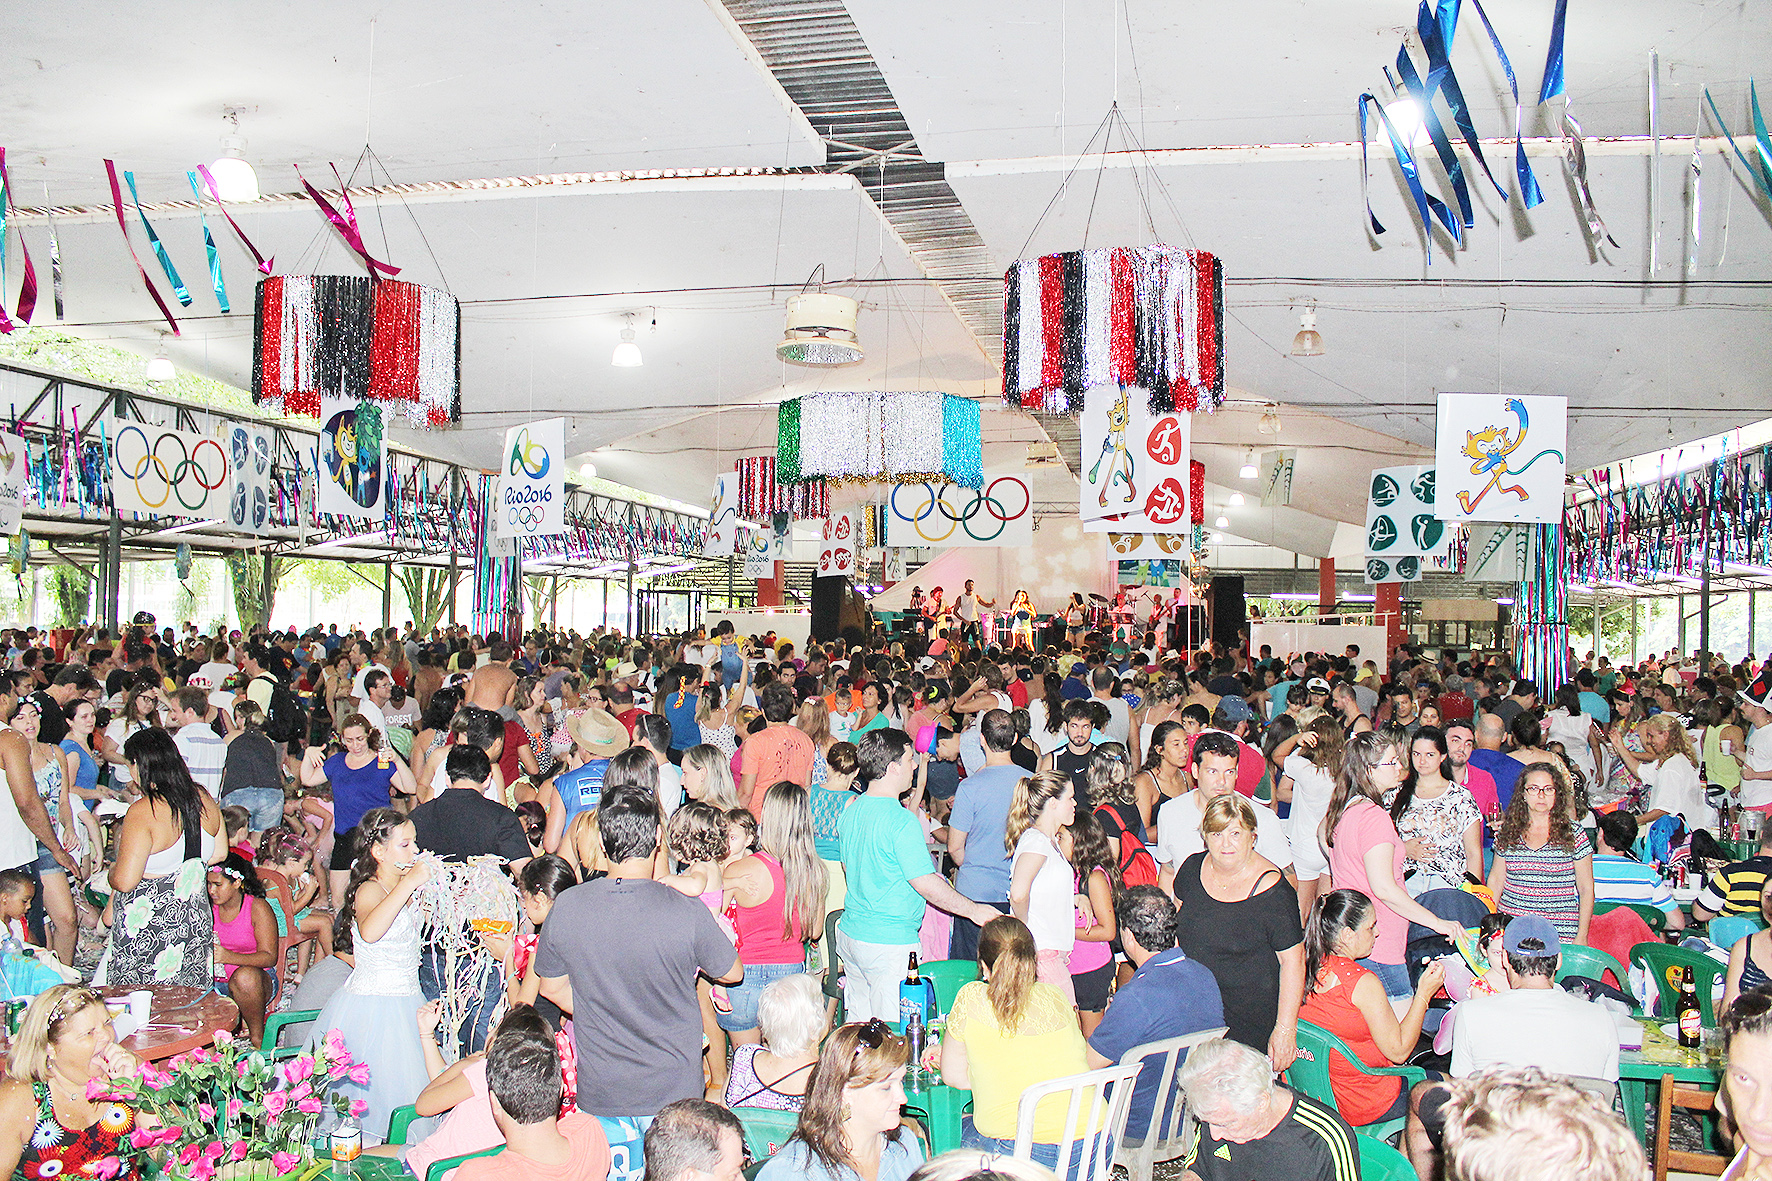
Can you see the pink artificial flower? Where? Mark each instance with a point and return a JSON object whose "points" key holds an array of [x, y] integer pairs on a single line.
{"points": [[301, 1068], [223, 1037], [95, 1087], [235, 1107], [142, 1138], [358, 1107], [284, 1162], [243, 1068], [105, 1168], [301, 1090], [202, 1169], [214, 1149], [275, 1102], [207, 1112], [189, 1153], [309, 1106], [360, 1074], [238, 1151]]}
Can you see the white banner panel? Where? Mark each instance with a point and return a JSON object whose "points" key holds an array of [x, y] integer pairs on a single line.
{"points": [[836, 556], [249, 482], [351, 484], [1001, 513], [722, 540], [1501, 457], [532, 481], [12, 483], [159, 472]]}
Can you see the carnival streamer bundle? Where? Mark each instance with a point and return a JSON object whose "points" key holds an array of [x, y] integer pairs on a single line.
{"points": [[760, 494], [872, 436], [462, 901], [1145, 316], [353, 337]]}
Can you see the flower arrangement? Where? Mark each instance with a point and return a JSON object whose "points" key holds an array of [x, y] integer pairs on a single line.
{"points": [[227, 1108]]}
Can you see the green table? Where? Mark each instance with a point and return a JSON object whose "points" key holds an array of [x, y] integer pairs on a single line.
{"points": [[1741, 850], [1639, 1070], [940, 1107]]}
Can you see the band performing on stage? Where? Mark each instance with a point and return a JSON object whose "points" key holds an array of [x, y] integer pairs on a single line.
{"points": [[1020, 622]]}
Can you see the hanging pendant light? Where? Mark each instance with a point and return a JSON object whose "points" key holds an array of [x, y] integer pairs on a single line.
{"points": [[627, 353], [820, 330], [160, 366], [1307, 341], [1270, 420], [1236, 499], [234, 178], [1248, 470]]}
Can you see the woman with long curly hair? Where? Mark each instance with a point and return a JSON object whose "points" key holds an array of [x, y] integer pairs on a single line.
{"points": [[1097, 870], [1544, 863], [1366, 854], [850, 1127], [1046, 714]]}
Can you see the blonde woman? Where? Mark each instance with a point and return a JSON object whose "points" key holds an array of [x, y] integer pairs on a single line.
{"points": [[49, 1120], [814, 721], [1042, 887], [1670, 771], [707, 776], [779, 895]]}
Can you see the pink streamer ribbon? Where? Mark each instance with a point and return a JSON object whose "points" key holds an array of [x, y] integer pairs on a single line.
{"points": [[346, 224], [264, 264], [27, 291], [117, 207]]}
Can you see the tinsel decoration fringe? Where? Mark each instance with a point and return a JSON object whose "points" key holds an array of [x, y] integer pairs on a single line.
{"points": [[389, 341], [1196, 492], [761, 495], [875, 437], [1541, 620], [1150, 316]]}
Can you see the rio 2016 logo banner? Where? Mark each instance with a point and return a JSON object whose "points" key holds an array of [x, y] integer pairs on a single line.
{"points": [[532, 491]]}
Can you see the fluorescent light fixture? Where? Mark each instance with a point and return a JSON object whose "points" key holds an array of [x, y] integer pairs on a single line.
{"points": [[1359, 598], [160, 366]]}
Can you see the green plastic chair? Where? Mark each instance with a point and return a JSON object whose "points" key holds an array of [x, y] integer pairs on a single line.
{"points": [[1659, 960], [949, 977], [399, 1120], [1593, 963], [274, 1025], [766, 1130], [1652, 915], [1727, 930], [440, 1168], [1310, 1075], [1380, 1162]]}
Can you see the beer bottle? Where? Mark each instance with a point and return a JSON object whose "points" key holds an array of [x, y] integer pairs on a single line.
{"points": [[1686, 1012]]}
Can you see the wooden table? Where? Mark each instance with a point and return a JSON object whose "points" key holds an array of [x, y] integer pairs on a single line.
{"points": [[181, 1018], [1639, 1070]]}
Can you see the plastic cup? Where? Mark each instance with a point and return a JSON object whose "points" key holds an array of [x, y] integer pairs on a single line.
{"points": [[141, 1002]]}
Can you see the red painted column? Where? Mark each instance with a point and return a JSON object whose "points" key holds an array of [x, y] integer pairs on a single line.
{"points": [[769, 589], [1326, 586], [1389, 605]]}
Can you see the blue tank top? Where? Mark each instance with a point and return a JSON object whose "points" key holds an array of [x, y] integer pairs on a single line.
{"points": [[355, 792], [87, 777], [581, 787]]}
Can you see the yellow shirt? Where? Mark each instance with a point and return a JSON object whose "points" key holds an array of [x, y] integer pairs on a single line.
{"points": [[1046, 1045]]}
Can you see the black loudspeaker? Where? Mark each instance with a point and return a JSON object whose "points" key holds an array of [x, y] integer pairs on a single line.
{"points": [[827, 607], [1230, 614]]}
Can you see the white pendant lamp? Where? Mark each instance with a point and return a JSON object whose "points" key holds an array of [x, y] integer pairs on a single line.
{"points": [[234, 178]]}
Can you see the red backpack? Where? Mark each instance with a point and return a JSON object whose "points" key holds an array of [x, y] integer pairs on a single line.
{"points": [[1137, 866]]}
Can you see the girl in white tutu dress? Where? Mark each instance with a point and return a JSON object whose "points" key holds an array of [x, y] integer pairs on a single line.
{"points": [[376, 1011]]}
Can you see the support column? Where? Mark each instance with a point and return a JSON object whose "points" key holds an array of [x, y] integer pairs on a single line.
{"points": [[1596, 628], [1325, 586], [268, 588], [632, 617], [1389, 604], [454, 585], [113, 576], [1703, 616], [769, 589], [1633, 631], [387, 594], [554, 606], [1681, 641]]}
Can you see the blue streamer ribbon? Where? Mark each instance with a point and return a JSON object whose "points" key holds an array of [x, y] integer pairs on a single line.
{"points": [[1530, 193], [1427, 206], [1423, 94], [1436, 31], [1761, 180], [1553, 60], [178, 285], [215, 271]]}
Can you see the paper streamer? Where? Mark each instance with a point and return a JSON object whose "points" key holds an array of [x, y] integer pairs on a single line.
{"points": [[264, 264], [117, 208], [346, 223], [179, 291], [27, 292], [215, 271]]}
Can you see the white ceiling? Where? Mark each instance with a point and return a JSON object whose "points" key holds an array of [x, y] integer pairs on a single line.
{"points": [[463, 92]]}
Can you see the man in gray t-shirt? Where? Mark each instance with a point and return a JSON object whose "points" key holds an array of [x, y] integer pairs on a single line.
{"points": [[622, 955]]}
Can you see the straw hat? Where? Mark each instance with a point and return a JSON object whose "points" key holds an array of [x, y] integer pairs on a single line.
{"points": [[598, 733]]}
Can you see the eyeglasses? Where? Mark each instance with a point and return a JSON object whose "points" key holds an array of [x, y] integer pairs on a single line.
{"points": [[1393, 761]]}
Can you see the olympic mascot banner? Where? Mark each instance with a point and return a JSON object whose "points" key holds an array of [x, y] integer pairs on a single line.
{"points": [[352, 477], [1501, 457], [1135, 462], [159, 472], [998, 513], [532, 480]]}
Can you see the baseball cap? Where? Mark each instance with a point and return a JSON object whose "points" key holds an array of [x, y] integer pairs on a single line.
{"points": [[1316, 685], [1235, 709], [1531, 926]]}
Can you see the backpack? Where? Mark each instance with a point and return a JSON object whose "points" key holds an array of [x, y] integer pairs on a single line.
{"points": [[286, 720], [1137, 866]]}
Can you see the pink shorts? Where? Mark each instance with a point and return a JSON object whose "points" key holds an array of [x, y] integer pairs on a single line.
{"points": [[1054, 968]]}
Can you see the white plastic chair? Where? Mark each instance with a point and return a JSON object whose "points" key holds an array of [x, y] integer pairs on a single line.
{"points": [[1166, 1138], [1099, 1102]]}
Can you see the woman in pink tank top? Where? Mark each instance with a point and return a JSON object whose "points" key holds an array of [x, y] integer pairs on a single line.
{"points": [[245, 941], [779, 893]]}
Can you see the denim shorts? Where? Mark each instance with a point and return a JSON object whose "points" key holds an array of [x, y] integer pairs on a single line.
{"points": [[1394, 977], [1041, 1154], [221, 988], [745, 995], [46, 862], [264, 804]]}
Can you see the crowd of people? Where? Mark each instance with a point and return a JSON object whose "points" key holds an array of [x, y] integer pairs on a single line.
{"points": [[700, 830]]}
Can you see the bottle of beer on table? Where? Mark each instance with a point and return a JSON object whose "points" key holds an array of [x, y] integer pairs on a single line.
{"points": [[1687, 1014]]}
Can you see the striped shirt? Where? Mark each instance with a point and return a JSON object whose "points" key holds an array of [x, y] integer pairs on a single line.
{"points": [[1622, 879], [1312, 1143], [1542, 882], [1735, 889], [205, 754]]}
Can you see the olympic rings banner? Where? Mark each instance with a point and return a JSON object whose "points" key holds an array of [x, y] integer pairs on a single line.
{"points": [[1135, 462], [249, 483], [160, 472], [12, 484], [531, 493], [1000, 513]]}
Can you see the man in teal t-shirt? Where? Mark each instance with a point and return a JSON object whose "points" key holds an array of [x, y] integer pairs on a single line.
{"points": [[889, 877]]}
